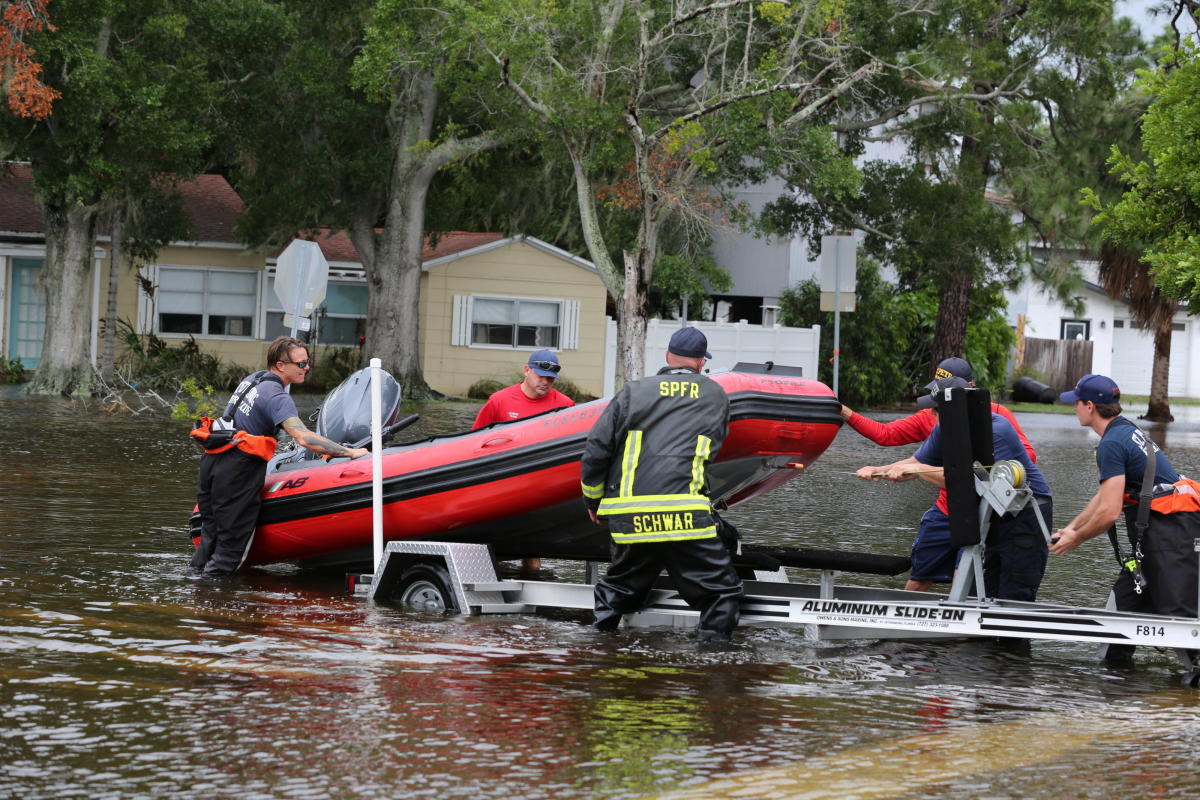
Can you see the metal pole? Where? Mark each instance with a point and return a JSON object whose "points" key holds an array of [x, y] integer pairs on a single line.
{"points": [[376, 463], [837, 322]]}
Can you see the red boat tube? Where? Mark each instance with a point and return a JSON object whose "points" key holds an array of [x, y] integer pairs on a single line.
{"points": [[515, 485]]}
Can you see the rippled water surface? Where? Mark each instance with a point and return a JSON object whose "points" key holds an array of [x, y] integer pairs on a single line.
{"points": [[120, 677]]}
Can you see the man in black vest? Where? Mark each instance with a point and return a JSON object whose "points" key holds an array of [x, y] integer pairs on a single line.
{"points": [[229, 490]]}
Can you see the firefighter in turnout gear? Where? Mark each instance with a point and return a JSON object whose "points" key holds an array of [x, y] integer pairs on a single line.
{"points": [[643, 474]]}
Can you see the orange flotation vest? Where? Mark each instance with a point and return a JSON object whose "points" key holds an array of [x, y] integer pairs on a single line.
{"points": [[218, 435]]}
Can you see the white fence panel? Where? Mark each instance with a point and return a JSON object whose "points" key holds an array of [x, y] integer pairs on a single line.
{"points": [[729, 342]]}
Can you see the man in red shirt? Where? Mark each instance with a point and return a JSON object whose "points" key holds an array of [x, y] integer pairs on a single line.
{"points": [[533, 395], [930, 555]]}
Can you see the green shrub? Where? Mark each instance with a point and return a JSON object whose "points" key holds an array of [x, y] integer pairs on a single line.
{"points": [[331, 366], [154, 365], [484, 388], [884, 343], [203, 402], [11, 371], [567, 387]]}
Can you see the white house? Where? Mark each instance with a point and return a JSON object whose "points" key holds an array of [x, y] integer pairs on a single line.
{"points": [[1120, 349]]}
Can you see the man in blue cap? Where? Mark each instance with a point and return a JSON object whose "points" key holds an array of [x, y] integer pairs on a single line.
{"points": [[533, 395], [1015, 553], [933, 557], [1159, 576], [643, 474]]}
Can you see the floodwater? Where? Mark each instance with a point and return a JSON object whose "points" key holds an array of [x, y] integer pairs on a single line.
{"points": [[122, 678]]}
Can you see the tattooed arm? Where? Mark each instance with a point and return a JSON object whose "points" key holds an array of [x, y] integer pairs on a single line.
{"points": [[317, 443]]}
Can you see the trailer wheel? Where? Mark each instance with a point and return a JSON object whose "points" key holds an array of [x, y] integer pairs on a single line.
{"points": [[425, 587]]}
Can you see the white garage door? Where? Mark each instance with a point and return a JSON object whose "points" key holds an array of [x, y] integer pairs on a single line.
{"points": [[1133, 358]]}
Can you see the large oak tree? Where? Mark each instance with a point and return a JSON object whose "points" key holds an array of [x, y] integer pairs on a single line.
{"points": [[142, 86]]}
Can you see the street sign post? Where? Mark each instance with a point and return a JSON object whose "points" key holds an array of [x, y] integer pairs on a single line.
{"points": [[301, 274], [838, 282]]}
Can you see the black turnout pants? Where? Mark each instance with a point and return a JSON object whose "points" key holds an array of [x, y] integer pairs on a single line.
{"points": [[1169, 566], [1014, 558], [228, 494], [700, 568]]}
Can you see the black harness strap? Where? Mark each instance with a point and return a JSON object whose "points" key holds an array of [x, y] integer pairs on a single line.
{"points": [[1134, 562], [237, 400]]}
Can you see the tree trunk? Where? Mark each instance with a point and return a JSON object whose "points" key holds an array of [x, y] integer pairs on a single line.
{"points": [[1159, 409], [631, 322], [64, 368], [110, 311], [393, 318], [950, 334], [392, 259]]}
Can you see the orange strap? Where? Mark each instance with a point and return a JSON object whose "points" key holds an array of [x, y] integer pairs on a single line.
{"points": [[260, 446]]}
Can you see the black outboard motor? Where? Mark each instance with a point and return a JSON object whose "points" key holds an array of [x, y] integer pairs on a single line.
{"points": [[345, 416]]}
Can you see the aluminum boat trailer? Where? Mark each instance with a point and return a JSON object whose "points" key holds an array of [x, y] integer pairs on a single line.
{"points": [[458, 577], [462, 577]]}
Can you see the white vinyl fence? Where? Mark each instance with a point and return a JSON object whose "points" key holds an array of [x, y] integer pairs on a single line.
{"points": [[729, 342]]}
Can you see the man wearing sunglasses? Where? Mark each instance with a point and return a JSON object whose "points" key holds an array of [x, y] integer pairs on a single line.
{"points": [[233, 466], [533, 395]]}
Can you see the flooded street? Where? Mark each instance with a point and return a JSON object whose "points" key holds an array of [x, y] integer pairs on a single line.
{"points": [[121, 677]]}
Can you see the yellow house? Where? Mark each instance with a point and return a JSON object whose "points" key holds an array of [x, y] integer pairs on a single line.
{"points": [[486, 301]]}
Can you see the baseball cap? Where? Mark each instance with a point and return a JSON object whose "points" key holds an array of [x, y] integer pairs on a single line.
{"points": [[544, 363], [689, 343], [953, 366], [935, 390], [1096, 388]]}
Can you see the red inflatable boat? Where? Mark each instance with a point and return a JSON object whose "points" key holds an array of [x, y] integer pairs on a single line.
{"points": [[515, 485]]}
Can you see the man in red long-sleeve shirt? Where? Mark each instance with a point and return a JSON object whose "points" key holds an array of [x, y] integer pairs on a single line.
{"points": [[933, 557]]}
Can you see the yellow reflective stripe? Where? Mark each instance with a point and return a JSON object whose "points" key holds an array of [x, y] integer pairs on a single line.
{"points": [[663, 499], [644, 504], [593, 492], [608, 510], [665, 536], [703, 448], [629, 462]]}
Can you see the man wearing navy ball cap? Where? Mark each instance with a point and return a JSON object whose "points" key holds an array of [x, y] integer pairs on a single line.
{"points": [[933, 557], [1159, 575], [535, 393], [1015, 550], [643, 473]]}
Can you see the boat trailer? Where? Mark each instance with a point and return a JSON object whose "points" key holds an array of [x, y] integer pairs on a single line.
{"points": [[461, 577], [458, 577]]}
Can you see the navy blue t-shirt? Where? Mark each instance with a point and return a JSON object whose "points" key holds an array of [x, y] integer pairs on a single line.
{"points": [[1121, 452], [1006, 446], [263, 408]]}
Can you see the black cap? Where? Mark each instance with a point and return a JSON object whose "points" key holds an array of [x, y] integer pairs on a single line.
{"points": [[689, 343], [936, 390], [953, 366]]}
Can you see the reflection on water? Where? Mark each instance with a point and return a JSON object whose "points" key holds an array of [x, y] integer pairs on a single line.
{"points": [[121, 677]]}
